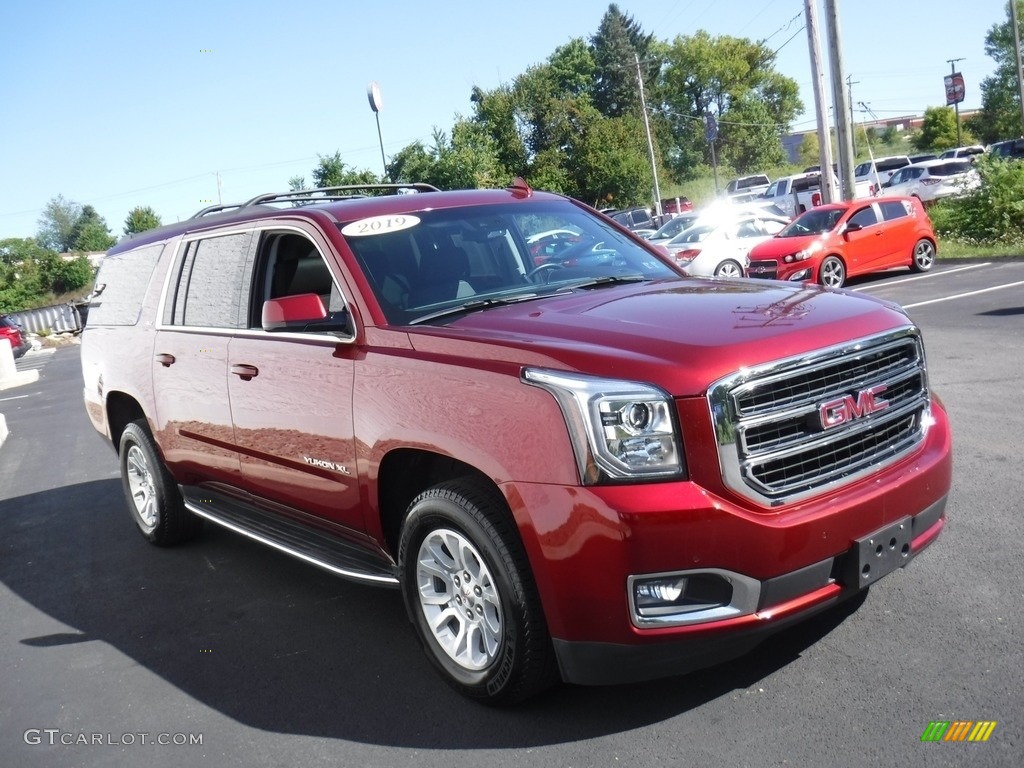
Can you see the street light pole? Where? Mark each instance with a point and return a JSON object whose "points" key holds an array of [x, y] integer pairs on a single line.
{"points": [[373, 95]]}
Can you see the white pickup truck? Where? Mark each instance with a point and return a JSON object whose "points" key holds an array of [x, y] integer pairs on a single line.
{"points": [[795, 194]]}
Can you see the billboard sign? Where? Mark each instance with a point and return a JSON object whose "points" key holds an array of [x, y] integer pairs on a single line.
{"points": [[954, 88]]}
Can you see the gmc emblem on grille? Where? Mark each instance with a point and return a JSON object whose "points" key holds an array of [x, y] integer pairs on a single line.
{"points": [[847, 408]]}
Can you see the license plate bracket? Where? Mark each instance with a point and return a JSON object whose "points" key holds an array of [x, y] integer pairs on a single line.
{"points": [[878, 554]]}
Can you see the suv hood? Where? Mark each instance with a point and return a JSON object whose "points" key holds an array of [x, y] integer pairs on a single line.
{"points": [[681, 335]]}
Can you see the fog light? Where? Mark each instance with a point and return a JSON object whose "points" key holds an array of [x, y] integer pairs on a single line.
{"points": [[649, 593], [803, 274], [690, 597]]}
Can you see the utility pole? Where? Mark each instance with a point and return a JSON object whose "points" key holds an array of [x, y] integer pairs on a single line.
{"points": [[850, 82], [956, 104], [650, 143], [1020, 68], [844, 139], [828, 191]]}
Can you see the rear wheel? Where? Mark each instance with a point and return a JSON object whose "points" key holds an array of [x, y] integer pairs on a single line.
{"points": [[470, 595], [832, 273], [153, 499], [729, 268], [924, 255]]}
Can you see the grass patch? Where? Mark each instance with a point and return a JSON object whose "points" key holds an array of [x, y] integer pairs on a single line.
{"points": [[953, 248]]}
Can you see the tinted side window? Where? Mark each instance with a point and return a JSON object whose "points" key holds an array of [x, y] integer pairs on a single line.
{"points": [[865, 217], [893, 209], [892, 163], [209, 289], [121, 286]]}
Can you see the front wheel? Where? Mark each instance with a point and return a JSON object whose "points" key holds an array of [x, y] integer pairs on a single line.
{"points": [[153, 499], [728, 268], [832, 273], [924, 255], [470, 595]]}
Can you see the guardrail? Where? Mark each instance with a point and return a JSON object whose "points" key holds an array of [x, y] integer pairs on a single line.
{"points": [[60, 318]]}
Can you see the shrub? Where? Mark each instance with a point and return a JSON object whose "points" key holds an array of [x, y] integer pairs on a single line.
{"points": [[993, 213]]}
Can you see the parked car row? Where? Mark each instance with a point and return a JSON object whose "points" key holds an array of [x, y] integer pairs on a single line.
{"points": [[826, 244]]}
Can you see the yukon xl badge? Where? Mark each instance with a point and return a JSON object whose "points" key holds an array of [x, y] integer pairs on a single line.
{"points": [[324, 464], [848, 408]]}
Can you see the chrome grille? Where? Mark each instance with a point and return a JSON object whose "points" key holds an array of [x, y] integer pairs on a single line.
{"points": [[774, 445]]}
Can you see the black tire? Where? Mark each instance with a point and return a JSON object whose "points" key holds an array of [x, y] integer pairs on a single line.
{"points": [[461, 557], [832, 272], [153, 498], [923, 256]]}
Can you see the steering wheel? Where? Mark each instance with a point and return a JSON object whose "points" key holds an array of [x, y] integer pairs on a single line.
{"points": [[543, 269]]}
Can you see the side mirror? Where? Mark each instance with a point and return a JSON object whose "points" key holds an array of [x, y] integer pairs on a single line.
{"points": [[852, 226], [303, 312]]}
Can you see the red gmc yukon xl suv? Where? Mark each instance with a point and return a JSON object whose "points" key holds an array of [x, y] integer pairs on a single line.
{"points": [[596, 469]]}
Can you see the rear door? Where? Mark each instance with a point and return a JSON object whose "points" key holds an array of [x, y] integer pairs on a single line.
{"points": [[291, 392], [202, 308]]}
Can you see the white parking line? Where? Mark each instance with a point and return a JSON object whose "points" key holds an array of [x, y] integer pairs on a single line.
{"points": [[962, 295], [924, 277], [16, 397]]}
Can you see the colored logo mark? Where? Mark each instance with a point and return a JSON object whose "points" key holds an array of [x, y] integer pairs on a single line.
{"points": [[206, 50], [958, 730]]}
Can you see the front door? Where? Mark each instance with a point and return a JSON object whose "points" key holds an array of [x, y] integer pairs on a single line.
{"points": [[291, 393]]}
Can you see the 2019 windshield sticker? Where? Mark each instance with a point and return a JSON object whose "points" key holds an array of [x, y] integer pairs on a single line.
{"points": [[379, 225]]}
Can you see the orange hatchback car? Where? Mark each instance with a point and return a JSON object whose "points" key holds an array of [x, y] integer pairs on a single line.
{"points": [[832, 242]]}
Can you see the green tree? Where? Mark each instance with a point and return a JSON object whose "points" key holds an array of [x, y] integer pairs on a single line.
{"points": [[616, 46], [331, 171], [297, 183], [809, 152], [91, 232], [723, 75], [468, 160], [610, 161], [1000, 115], [15, 250], [139, 219], [938, 131], [57, 224]]}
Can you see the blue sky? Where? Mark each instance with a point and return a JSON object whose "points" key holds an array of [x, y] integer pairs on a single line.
{"points": [[118, 104]]}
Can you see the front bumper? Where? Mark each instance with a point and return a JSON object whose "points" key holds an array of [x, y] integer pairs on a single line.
{"points": [[785, 600]]}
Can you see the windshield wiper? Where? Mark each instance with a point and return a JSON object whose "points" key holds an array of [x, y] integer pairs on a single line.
{"points": [[474, 306], [598, 282]]}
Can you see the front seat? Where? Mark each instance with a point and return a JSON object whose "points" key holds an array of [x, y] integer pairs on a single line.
{"points": [[442, 276]]}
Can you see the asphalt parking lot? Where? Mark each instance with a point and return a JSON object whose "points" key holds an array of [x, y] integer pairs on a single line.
{"points": [[113, 645]]}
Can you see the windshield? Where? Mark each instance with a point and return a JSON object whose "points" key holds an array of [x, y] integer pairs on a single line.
{"points": [[816, 221], [695, 234], [483, 256], [674, 226]]}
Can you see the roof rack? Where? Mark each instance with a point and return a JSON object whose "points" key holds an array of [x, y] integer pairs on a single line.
{"points": [[318, 195]]}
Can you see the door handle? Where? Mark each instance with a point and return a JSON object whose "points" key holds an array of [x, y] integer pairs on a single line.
{"points": [[245, 372], [165, 359]]}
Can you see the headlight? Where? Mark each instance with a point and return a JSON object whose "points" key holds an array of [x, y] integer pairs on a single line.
{"points": [[620, 429]]}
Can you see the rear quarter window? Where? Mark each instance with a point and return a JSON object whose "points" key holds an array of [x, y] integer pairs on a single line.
{"points": [[894, 209], [121, 286]]}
